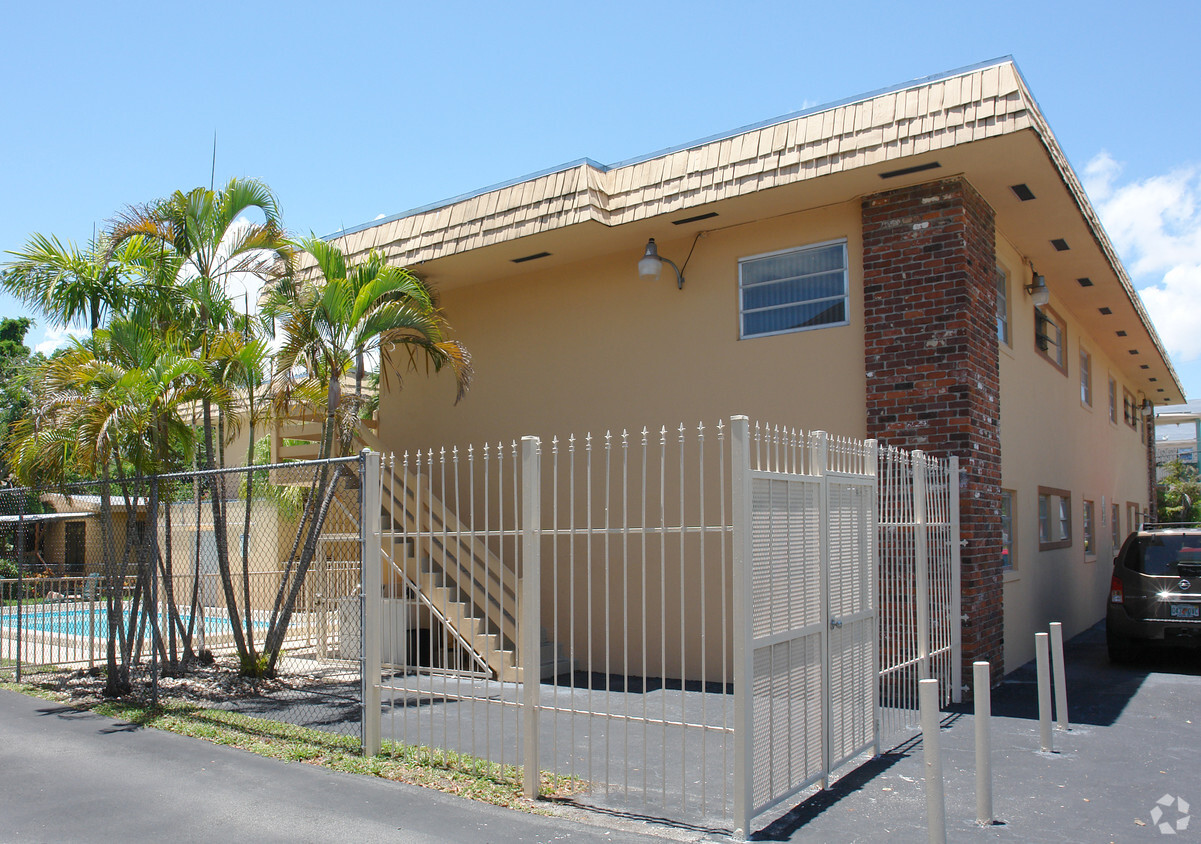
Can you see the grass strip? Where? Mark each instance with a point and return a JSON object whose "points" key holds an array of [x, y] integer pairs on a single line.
{"points": [[453, 773]]}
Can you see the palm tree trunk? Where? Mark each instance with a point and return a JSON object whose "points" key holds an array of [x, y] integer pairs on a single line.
{"points": [[219, 537]]}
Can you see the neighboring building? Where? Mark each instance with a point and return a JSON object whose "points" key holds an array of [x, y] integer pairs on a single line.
{"points": [[1178, 437], [861, 268]]}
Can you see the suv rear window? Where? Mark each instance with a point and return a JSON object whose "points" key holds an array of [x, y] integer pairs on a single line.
{"points": [[1171, 554]]}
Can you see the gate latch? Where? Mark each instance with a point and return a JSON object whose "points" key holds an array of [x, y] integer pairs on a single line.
{"points": [[834, 622]]}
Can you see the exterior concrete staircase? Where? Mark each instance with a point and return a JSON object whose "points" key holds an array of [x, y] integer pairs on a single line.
{"points": [[463, 587]]}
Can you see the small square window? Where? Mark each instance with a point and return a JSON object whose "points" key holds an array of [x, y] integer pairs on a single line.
{"points": [[1130, 409], [1050, 337], [794, 290], [1054, 518]]}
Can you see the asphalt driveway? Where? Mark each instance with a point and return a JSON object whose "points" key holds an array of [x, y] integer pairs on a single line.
{"points": [[1135, 737]]}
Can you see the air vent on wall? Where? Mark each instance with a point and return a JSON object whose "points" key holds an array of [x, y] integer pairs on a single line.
{"points": [[1121, 333], [533, 257], [1105, 311], [1085, 282], [1022, 192], [905, 171], [695, 219], [1060, 244]]}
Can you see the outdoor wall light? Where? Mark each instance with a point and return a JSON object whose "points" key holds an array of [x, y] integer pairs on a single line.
{"points": [[1148, 409], [1038, 291], [650, 265]]}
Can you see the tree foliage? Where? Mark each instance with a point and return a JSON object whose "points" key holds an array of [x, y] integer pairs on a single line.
{"points": [[1179, 494], [165, 339]]}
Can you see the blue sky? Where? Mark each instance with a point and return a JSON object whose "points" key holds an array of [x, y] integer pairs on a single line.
{"points": [[355, 110]]}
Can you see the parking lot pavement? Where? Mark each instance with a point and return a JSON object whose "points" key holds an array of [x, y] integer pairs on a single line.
{"points": [[73, 776], [1134, 738], [67, 775]]}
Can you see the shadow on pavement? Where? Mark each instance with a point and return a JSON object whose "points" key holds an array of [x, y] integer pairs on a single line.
{"points": [[786, 826], [1098, 690]]}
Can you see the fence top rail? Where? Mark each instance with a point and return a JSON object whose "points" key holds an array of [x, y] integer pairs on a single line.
{"points": [[79, 487]]}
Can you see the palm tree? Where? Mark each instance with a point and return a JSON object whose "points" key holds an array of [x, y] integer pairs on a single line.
{"points": [[69, 284], [330, 318], [113, 408], [205, 231]]}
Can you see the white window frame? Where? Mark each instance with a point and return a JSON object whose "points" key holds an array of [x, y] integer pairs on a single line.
{"points": [[846, 290], [1054, 518], [1003, 332], [1086, 378], [1052, 347], [1088, 529], [1008, 545]]}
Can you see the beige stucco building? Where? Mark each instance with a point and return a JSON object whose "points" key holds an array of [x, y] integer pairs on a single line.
{"points": [[867, 268]]}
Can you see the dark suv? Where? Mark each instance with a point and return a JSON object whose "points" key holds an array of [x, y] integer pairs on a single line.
{"points": [[1155, 593]]}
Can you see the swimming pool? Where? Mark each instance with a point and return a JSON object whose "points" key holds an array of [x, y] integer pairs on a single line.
{"points": [[89, 621]]}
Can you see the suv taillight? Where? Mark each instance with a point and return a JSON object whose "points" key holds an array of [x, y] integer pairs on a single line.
{"points": [[1117, 593]]}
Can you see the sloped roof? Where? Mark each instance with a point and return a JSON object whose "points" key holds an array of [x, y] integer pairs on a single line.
{"points": [[924, 116], [931, 118]]}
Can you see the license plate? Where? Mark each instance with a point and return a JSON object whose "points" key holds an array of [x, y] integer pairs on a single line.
{"points": [[1184, 610]]}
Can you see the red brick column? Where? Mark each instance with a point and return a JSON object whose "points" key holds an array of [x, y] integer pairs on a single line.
{"points": [[929, 299]]}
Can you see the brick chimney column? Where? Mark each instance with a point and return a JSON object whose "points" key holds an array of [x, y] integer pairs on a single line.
{"points": [[929, 290]]}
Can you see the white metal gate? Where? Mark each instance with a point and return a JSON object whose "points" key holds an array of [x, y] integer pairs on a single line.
{"points": [[697, 624], [805, 612]]}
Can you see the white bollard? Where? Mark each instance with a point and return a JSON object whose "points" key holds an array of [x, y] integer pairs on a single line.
{"points": [[982, 692], [936, 813], [1061, 680], [1044, 693]]}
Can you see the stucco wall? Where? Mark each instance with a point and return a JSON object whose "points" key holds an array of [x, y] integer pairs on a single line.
{"points": [[591, 346], [1050, 439]]}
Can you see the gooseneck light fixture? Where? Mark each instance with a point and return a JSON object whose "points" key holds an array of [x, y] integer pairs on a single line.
{"points": [[1038, 290], [650, 265]]}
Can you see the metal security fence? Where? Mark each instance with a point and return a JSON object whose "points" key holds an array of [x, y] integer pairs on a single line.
{"points": [[919, 585], [237, 587], [805, 616], [684, 622]]}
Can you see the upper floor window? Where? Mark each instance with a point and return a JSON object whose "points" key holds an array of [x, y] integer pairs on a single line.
{"points": [[1129, 409], [1003, 307], [794, 290], [1050, 336], [1086, 378]]}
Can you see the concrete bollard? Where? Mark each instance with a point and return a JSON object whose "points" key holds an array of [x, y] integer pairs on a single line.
{"points": [[936, 812], [1060, 677], [1044, 692], [982, 691]]}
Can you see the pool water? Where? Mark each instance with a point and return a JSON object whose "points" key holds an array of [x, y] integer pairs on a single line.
{"points": [[79, 622]]}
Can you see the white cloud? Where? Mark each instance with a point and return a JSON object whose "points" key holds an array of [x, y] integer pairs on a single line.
{"points": [[56, 338], [1155, 223], [380, 216]]}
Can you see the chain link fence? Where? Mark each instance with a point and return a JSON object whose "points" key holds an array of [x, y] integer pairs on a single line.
{"points": [[236, 588]]}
